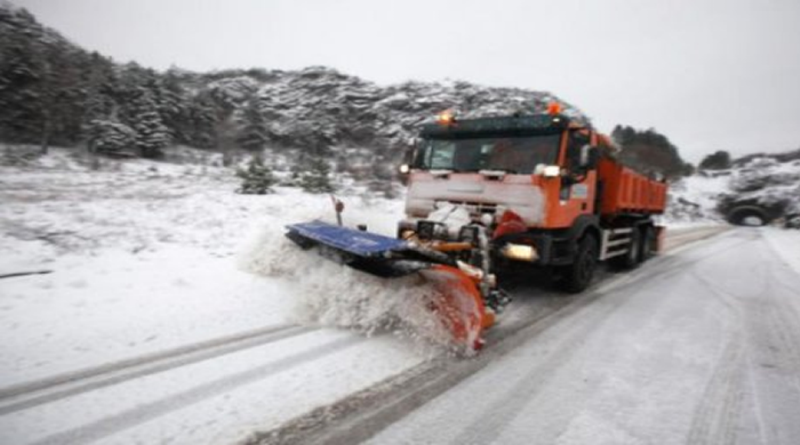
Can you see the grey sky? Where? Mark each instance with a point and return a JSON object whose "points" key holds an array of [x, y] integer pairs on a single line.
{"points": [[716, 74]]}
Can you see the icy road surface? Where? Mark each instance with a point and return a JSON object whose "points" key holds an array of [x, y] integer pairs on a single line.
{"points": [[699, 346]]}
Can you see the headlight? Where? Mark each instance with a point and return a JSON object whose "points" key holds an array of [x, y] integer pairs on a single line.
{"points": [[551, 171], [520, 252]]}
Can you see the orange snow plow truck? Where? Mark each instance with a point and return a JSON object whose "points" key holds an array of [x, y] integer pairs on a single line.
{"points": [[491, 194]]}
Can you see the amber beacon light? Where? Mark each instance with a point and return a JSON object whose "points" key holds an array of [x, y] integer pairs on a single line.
{"points": [[446, 118], [553, 108]]}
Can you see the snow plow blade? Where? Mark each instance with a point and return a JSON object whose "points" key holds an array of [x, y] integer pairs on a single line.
{"points": [[457, 304]]}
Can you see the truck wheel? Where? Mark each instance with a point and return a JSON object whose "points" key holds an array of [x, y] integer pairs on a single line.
{"points": [[577, 276], [648, 244], [633, 257]]}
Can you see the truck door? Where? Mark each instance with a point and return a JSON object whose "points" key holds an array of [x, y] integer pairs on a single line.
{"points": [[577, 193]]}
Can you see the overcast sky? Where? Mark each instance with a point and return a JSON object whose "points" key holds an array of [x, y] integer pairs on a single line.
{"points": [[710, 74]]}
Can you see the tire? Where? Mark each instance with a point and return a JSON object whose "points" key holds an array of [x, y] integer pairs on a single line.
{"points": [[648, 244], [634, 255], [577, 276]]}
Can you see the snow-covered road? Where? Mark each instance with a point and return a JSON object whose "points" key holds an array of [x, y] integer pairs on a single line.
{"points": [[147, 331], [699, 346]]}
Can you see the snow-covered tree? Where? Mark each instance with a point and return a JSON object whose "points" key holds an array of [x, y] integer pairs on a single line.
{"points": [[201, 122], [316, 179], [111, 138], [151, 133], [171, 102], [252, 126], [257, 178], [22, 75]]}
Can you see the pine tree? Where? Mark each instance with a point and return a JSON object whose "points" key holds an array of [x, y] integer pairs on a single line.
{"points": [[151, 133], [257, 179], [173, 105], [252, 127], [110, 138], [201, 122], [649, 151], [719, 160], [317, 178], [22, 85]]}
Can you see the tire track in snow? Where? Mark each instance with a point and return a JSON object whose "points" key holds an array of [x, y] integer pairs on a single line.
{"points": [[774, 336], [717, 416], [27, 395], [148, 411], [765, 343], [360, 416], [488, 424], [720, 407], [784, 318]]}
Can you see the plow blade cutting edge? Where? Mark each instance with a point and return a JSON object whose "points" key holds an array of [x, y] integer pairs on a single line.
{"points": [[457, 302]]}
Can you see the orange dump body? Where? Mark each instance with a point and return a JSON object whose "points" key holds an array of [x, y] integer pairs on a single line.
{"points": [[625, 191]]}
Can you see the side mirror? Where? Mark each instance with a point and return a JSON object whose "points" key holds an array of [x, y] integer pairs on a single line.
{"points": [[410, 153], [589, 157]]}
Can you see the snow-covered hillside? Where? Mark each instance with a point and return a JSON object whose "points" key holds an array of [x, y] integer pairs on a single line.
{"points": [[134, 109], [322, 105], [766, 184]]}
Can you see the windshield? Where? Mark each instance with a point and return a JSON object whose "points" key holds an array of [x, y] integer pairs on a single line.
{"points": [[512, 154]]}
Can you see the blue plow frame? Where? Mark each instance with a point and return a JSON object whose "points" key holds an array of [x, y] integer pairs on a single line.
{"points": [[369, 252]]}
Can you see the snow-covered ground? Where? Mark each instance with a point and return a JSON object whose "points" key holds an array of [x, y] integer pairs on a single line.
{"points": [[145, 259]]}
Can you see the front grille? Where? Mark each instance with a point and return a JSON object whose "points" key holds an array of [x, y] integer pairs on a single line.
{"points": [[476, 209]]}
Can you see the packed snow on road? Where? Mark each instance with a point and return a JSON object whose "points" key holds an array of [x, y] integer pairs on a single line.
{"points": [[701, 346]]}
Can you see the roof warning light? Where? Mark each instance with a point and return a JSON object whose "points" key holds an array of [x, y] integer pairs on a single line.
{"points": [[446, 118]]}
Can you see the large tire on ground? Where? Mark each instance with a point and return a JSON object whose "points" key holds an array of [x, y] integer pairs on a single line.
{"points": [[633, 257], [577, 276], [648, 246]]}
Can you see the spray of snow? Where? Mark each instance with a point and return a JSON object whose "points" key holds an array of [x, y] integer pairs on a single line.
{"points": [[329, 294]]}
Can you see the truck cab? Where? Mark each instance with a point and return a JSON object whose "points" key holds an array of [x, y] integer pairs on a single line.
{"points": [[544, 182], [540, 167]]}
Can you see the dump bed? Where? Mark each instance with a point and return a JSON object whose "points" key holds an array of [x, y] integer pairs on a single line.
{"points": [[626, 191]]}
